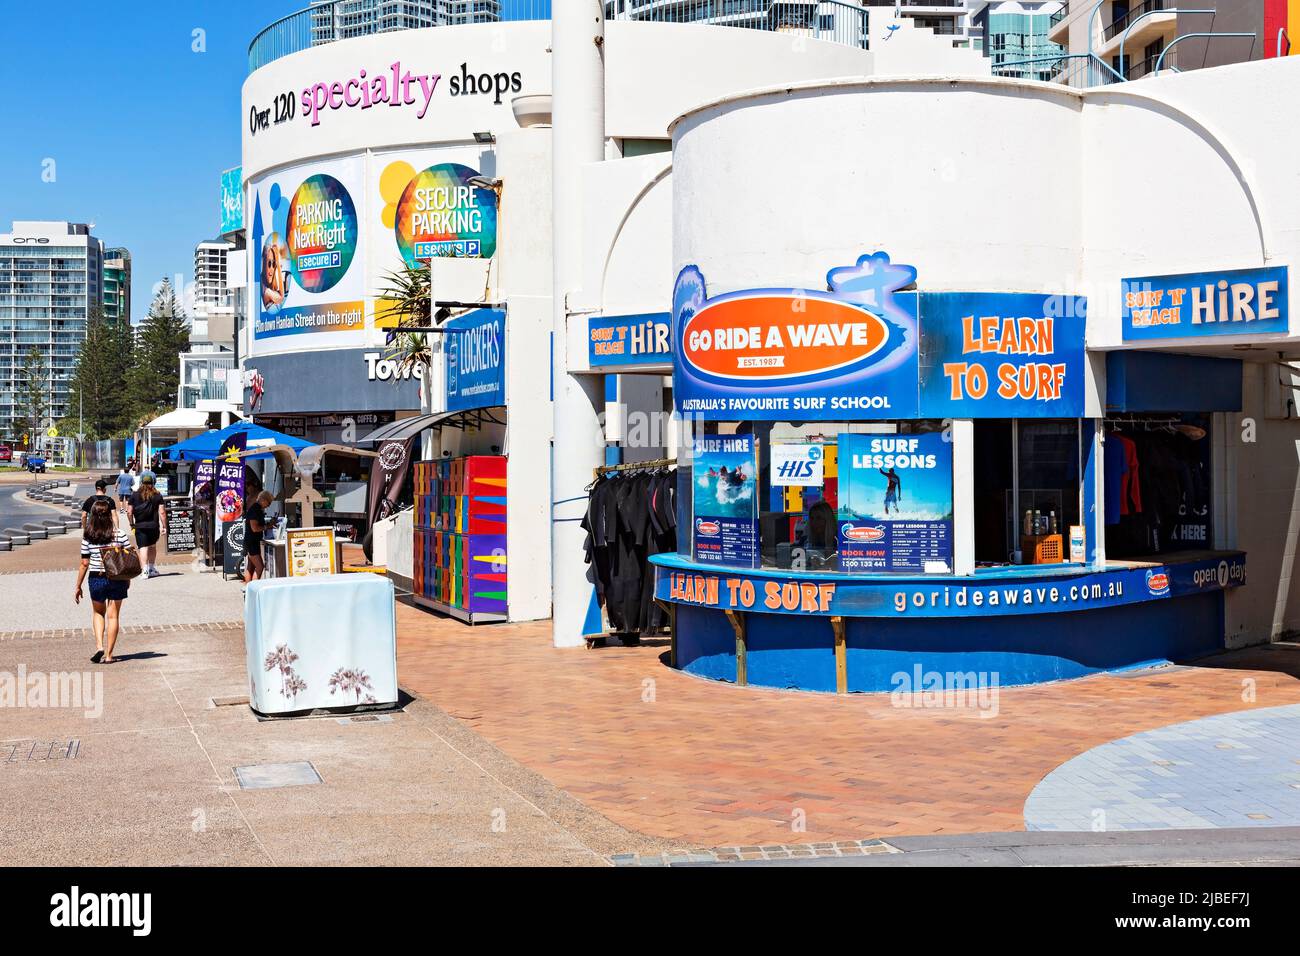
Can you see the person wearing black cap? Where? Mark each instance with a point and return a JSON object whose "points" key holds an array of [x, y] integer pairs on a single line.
{"points": [[101, 486], [147, 512]]}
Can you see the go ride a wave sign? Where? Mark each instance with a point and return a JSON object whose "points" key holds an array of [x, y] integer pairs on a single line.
{"points": [[869, 350], [798, 353]]}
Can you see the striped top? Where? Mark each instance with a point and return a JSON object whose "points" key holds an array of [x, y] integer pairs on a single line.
{"points": [[95, 552]]}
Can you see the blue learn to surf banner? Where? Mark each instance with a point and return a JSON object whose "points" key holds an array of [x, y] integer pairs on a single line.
{"points": [[895, 503], [1002, 355], [725, 526]]}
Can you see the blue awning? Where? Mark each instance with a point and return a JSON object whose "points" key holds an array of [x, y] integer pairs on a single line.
{"points": [[207, 445]]}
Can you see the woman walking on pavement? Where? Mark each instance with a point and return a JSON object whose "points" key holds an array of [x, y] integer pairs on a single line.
{"points": [[106, 595], [148, 516]]}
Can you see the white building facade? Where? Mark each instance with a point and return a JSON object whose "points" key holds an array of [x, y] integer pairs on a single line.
{"points": [[372, 115]]}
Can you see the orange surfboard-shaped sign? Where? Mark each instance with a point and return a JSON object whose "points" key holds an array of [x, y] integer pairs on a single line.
{"points": [[773, 336]]}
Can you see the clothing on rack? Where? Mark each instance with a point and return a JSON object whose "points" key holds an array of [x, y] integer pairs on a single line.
{"points": [[1156, 485], [631, 515]]}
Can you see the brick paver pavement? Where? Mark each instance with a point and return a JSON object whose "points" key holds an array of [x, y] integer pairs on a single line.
{"points": [[709, 764]]}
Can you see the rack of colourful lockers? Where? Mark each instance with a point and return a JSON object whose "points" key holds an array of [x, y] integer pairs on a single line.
{"points": [[460, 537]]}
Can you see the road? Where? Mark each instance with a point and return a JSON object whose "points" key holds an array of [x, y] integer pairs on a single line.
{"points": [[15, 508]]}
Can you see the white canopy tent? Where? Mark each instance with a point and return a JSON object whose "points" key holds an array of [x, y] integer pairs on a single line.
{"points": [[174, 426]]}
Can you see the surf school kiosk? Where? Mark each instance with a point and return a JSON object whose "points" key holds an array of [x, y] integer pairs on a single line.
{"points": [[876, 479]]}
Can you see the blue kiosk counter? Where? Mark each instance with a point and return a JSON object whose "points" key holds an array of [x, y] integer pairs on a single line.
{"points": [[876, 481], [857, 632]]}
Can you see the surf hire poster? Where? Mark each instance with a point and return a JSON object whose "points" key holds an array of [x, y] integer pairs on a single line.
{"points": [[725, 526]]}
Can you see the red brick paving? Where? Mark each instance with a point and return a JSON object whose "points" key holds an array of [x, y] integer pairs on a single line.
{"points": [[710, 764]]}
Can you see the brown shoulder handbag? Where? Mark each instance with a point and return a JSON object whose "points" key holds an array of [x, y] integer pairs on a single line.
{"points": [[121, 563]]}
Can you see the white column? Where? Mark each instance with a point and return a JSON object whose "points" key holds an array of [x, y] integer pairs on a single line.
{"points": [[963, 495], [578, 136]]}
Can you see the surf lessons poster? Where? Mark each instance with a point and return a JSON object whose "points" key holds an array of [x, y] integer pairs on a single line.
{"points": [[895, 503]]}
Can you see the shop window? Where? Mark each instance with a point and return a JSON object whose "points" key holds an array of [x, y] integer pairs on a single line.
{"points": [[1026, 489], [796, 487], [1157, 484]]}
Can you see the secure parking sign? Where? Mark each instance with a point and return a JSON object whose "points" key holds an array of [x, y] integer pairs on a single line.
{"points": [[797, 465]]}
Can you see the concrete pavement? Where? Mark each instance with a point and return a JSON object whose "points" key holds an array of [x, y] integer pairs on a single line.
{"points": [[151, 780], [43, 600]]}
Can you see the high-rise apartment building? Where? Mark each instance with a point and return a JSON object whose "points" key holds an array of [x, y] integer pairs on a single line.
{"points": [[211, 312], [1014, 36], [117, 285], [210, 288], [1130, 39], [51, 274], [340, 19]]}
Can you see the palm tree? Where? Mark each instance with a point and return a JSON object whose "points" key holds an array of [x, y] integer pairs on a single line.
{"points": [[408, 299]]}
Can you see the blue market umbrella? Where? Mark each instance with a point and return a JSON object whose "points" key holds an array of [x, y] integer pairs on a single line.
{"points": [[207, 445]]}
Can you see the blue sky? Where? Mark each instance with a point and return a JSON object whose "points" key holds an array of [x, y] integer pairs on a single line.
{"points": [[139, 125]]}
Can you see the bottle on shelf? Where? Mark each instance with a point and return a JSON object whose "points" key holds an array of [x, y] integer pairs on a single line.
{"points": [[1052, 523]]}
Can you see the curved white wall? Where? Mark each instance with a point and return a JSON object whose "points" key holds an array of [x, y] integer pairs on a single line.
{"points": [[775, 189], [996, 184]]}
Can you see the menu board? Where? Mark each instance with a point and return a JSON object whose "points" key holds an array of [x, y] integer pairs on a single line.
{"points": [[180, 527], [895, 502], [310, 551]]}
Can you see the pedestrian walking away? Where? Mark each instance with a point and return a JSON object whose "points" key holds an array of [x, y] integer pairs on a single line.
{"points": [[124, 481], [106, 595], [101, 488], [148, 515]]}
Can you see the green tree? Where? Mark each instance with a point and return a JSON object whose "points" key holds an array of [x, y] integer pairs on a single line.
{"points": [[33, 393], [100, 403], [155, 370], [406, 298]]}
